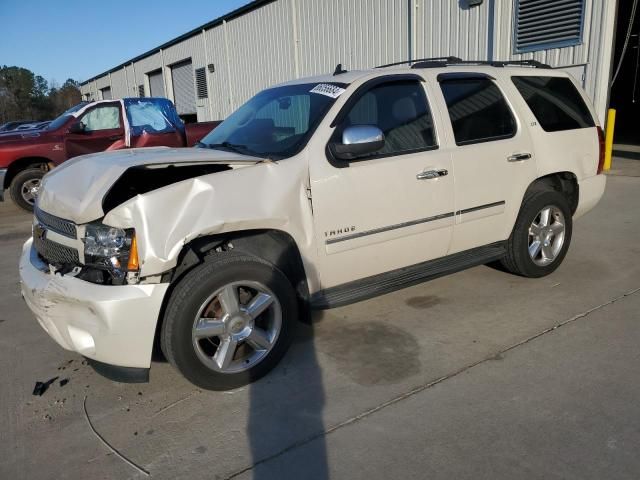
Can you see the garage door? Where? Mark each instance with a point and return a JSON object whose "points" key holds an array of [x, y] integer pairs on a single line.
{"points": [[106, 93], [183, 88], [156, 84]]}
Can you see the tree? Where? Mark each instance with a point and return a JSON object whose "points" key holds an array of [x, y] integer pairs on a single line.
{"points": [[66, 96], [26, 96]]}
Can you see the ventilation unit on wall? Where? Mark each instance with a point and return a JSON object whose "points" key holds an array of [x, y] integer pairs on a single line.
{"points": [[544, 24], [201, 82], [141, 90]]}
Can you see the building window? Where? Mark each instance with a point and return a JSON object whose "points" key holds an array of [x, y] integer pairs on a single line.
{"points": [[141, 90], [201, 82], [545, 24]]}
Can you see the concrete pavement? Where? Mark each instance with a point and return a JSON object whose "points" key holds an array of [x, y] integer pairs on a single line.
{"points": [[462, 377]]}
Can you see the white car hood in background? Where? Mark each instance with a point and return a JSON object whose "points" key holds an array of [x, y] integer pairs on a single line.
{"points": [[74, 190]]}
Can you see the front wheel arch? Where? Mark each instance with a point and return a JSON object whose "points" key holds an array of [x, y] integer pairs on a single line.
{"points": [[21, 164], [273, 246]]}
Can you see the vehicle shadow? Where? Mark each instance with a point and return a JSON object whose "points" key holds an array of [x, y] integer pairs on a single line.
{"points": [[286, 410], [285, 407]]}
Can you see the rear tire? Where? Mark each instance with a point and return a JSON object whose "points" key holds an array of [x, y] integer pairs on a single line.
{"points": [[541, 236], [233, 303], [24, 188]]}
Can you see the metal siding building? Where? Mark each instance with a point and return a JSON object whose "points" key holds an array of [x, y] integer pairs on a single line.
{"points": [[271, 41]]}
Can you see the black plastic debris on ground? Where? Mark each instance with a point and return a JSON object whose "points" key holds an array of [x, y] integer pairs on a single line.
{"points": [[42, 387], [64, 381]]}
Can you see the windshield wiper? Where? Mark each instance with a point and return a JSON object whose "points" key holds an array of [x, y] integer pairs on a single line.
{"points": [[241, 149]]}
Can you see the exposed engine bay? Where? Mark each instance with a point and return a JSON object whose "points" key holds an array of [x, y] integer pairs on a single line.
{"points": [[146, 178]]}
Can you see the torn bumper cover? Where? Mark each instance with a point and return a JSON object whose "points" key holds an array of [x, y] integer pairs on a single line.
{"points": [[113, 325]]}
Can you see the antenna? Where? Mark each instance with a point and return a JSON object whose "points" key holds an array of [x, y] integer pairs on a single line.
{"points": [[339, 70]]}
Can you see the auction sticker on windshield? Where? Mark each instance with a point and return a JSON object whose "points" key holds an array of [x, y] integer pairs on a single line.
{"points": [[328, 90]]}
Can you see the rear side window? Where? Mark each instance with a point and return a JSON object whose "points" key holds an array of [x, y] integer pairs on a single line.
{"points": [[401, 111], [478, 110], [555, 102]]}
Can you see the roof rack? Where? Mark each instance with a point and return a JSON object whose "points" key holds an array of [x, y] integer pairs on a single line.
{"points": [[437, 62], [434, 59]]}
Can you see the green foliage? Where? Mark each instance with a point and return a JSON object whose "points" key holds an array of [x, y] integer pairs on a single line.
{"points": [[26, 96]]}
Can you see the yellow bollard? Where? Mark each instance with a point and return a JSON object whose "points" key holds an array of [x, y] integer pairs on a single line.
{"points": [[608, 143]]}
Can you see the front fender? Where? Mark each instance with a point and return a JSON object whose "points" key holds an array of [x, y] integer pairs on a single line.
{"points": [[263, 196]]}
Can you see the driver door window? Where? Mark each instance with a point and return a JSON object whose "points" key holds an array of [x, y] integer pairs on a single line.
{"points": [[101, 118], [401, 111], [102, 130]]}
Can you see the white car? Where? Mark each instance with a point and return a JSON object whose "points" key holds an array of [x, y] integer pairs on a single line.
{"points": [[315, 193]]}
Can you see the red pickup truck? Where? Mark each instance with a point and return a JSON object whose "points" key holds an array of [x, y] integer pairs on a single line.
{"points": [[90, 127]]}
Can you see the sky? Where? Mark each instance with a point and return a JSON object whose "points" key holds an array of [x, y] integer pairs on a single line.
{"points": [[80, 39]]}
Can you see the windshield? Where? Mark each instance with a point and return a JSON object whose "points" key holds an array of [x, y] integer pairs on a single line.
{"points": [[58, 122], [276, 123]]}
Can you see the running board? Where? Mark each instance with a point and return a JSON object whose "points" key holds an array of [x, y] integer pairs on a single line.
{"points": [[387, 282]]}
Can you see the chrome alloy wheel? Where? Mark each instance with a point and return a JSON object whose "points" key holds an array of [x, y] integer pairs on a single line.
{"points": [[546, 235], [30, 190], [237, 327]]}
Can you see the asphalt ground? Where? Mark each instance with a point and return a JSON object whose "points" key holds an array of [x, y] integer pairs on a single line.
{"points": [[480, 374]]}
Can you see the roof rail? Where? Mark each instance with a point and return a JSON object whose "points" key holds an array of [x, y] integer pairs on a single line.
{"points": [[436, 62], [434, 59]]}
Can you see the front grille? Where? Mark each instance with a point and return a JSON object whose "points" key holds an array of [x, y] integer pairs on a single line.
{"points": [[54, 253], [56, 224]]}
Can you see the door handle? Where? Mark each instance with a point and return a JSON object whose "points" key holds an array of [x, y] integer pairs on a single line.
{"points": [[431, 174], [115, 137], [519, 157]]}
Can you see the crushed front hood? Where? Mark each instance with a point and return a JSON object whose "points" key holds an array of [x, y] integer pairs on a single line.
{"points": [[74, 190]]}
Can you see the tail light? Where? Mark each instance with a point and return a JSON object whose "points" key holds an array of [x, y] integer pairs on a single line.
{"points": [[602, 150]]}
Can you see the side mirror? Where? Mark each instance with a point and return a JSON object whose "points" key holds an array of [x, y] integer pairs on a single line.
{"points": [[358, 141], [77, 127]]}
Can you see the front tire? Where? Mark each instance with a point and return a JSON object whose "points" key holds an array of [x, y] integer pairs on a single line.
{"points": [[25, 186], [229, 321], [541, 236]]}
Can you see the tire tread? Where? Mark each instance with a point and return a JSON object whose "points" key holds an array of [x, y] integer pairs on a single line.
{"points": [[214, 262], [517, 262]]}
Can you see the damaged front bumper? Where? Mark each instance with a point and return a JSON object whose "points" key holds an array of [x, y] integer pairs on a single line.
{"points": [[112, 325]]}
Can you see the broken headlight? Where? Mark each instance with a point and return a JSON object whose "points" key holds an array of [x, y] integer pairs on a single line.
{"points": [[112, 249]]}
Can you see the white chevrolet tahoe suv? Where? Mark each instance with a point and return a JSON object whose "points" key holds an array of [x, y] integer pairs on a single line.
{"points": [[315, 193]]}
